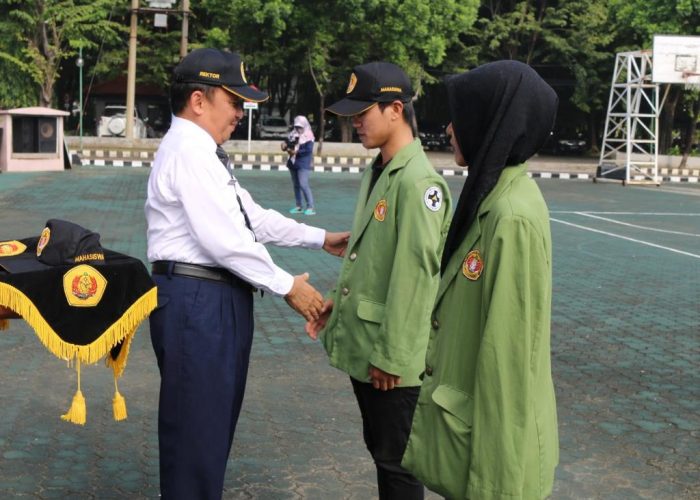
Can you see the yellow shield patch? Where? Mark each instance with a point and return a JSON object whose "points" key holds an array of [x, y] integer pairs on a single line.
{"points": [[351, 85], [9, 248], [380, 210], [473, 265], [84, 286], [43, 240]]}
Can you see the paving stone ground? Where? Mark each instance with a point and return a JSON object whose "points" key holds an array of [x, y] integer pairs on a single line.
{"points": [[625, 342]]}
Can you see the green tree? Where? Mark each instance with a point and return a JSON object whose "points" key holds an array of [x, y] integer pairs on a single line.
{"points": [[569, 39], [38, 35], [311, 42]]}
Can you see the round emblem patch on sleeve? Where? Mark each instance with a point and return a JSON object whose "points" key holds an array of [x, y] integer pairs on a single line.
{"points": [[433, 198], [473, 265], [9, 248]]}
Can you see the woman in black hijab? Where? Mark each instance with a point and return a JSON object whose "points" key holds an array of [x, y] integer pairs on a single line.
{"points": [[486, 425]]}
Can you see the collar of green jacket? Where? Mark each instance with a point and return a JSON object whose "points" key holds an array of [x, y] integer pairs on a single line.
{"points": [[508, 175], [403, 155]]}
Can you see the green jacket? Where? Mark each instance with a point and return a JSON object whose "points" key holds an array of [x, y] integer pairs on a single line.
{"points": [[485, 426], [390, 272]]}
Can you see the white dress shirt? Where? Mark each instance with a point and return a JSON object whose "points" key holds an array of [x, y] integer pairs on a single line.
{"points": [[193, 216]]}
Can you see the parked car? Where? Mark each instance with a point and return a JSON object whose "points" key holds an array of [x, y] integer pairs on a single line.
{"points": [[113, 123], [272, 127], [433, 136], [563, 143]]}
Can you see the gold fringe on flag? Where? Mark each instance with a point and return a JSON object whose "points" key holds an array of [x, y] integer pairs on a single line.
{"points": [[118, 404], [121, 330], [77, 413]]}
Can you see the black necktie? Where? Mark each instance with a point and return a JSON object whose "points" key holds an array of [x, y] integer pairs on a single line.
{"points": [[223, 156]]}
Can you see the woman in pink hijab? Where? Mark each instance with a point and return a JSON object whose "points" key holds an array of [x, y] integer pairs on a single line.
{"points": [[300, 146]]}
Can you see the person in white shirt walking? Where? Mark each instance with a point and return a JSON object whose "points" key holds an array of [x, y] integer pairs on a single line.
{"points": [[206, 239]]}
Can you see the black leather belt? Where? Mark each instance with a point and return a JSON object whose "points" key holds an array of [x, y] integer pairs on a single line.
{"points": [[198, 272]]}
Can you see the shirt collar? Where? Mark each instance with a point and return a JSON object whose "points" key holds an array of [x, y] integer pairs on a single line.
{"points": [[194, 132]]}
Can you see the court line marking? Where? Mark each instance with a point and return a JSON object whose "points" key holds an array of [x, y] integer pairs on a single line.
{"points": [[585, 228], [675, 214], [586, 214], [674, 190]]}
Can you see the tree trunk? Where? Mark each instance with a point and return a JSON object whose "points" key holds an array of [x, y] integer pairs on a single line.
{"points": [[689, 134], [345, 129], [593, 133], [668, 114], [322, 127]]}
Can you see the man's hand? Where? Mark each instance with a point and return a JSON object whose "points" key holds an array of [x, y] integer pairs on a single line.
{"points": [[336, 243], [382, 380], [314, 327], [304, 298]]}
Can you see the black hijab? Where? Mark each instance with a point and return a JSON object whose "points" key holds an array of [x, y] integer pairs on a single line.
{"points": [[502, 113]]}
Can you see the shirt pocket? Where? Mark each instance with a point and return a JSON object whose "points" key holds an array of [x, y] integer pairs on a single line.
{"points": [[371, 311]]}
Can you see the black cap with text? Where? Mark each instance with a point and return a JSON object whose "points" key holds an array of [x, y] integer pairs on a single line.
{"points": [[218, 68], [372, 83], [61, 243]]}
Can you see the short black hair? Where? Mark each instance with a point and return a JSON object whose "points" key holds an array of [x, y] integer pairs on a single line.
{"points": [[409, 115], [181, 92]]}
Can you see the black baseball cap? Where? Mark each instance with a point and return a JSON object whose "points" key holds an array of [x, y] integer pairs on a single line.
{"points": [[218, 68], [372, 83], [61, 243]]}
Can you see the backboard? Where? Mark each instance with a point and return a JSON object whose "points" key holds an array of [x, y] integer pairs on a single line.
{"points": [[676, 59]]}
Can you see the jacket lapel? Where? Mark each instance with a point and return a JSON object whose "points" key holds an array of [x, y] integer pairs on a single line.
{"points": [[365, 213], [455, 265]]}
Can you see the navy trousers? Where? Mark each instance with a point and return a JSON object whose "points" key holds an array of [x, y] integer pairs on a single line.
{"points": [[202, 333]]}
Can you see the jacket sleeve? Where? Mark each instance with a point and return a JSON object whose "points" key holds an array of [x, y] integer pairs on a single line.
{"points": [[414, 278], [516, 273]]}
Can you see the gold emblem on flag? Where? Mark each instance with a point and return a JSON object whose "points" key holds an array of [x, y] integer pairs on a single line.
{"points": [[84, 286], [9, 248]]}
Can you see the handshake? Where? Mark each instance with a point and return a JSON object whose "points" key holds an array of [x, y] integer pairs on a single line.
{"points": [[303, 297]]}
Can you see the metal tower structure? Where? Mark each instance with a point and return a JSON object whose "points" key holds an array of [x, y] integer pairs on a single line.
{"points": [[630, 143]]}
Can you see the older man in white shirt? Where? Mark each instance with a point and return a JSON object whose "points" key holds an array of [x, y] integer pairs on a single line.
{"points": [[206, 239]]}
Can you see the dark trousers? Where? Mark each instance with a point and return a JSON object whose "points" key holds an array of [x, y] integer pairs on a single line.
{"points": [[386, 424], [202, 333]]}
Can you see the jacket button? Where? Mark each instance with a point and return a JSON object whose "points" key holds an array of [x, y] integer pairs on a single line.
{"points": [[428, 370], [436, 324], [353, 256], [346, 291]]}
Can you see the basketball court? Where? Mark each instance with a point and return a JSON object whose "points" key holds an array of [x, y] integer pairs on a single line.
{"points": [[625, 353]]}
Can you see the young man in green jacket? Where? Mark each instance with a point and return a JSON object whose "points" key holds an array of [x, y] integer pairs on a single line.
{"points": [[375, 326]]}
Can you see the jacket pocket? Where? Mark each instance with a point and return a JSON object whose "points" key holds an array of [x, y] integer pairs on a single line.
{"points": [[370, 311], [455, 402], [439, 448]]}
